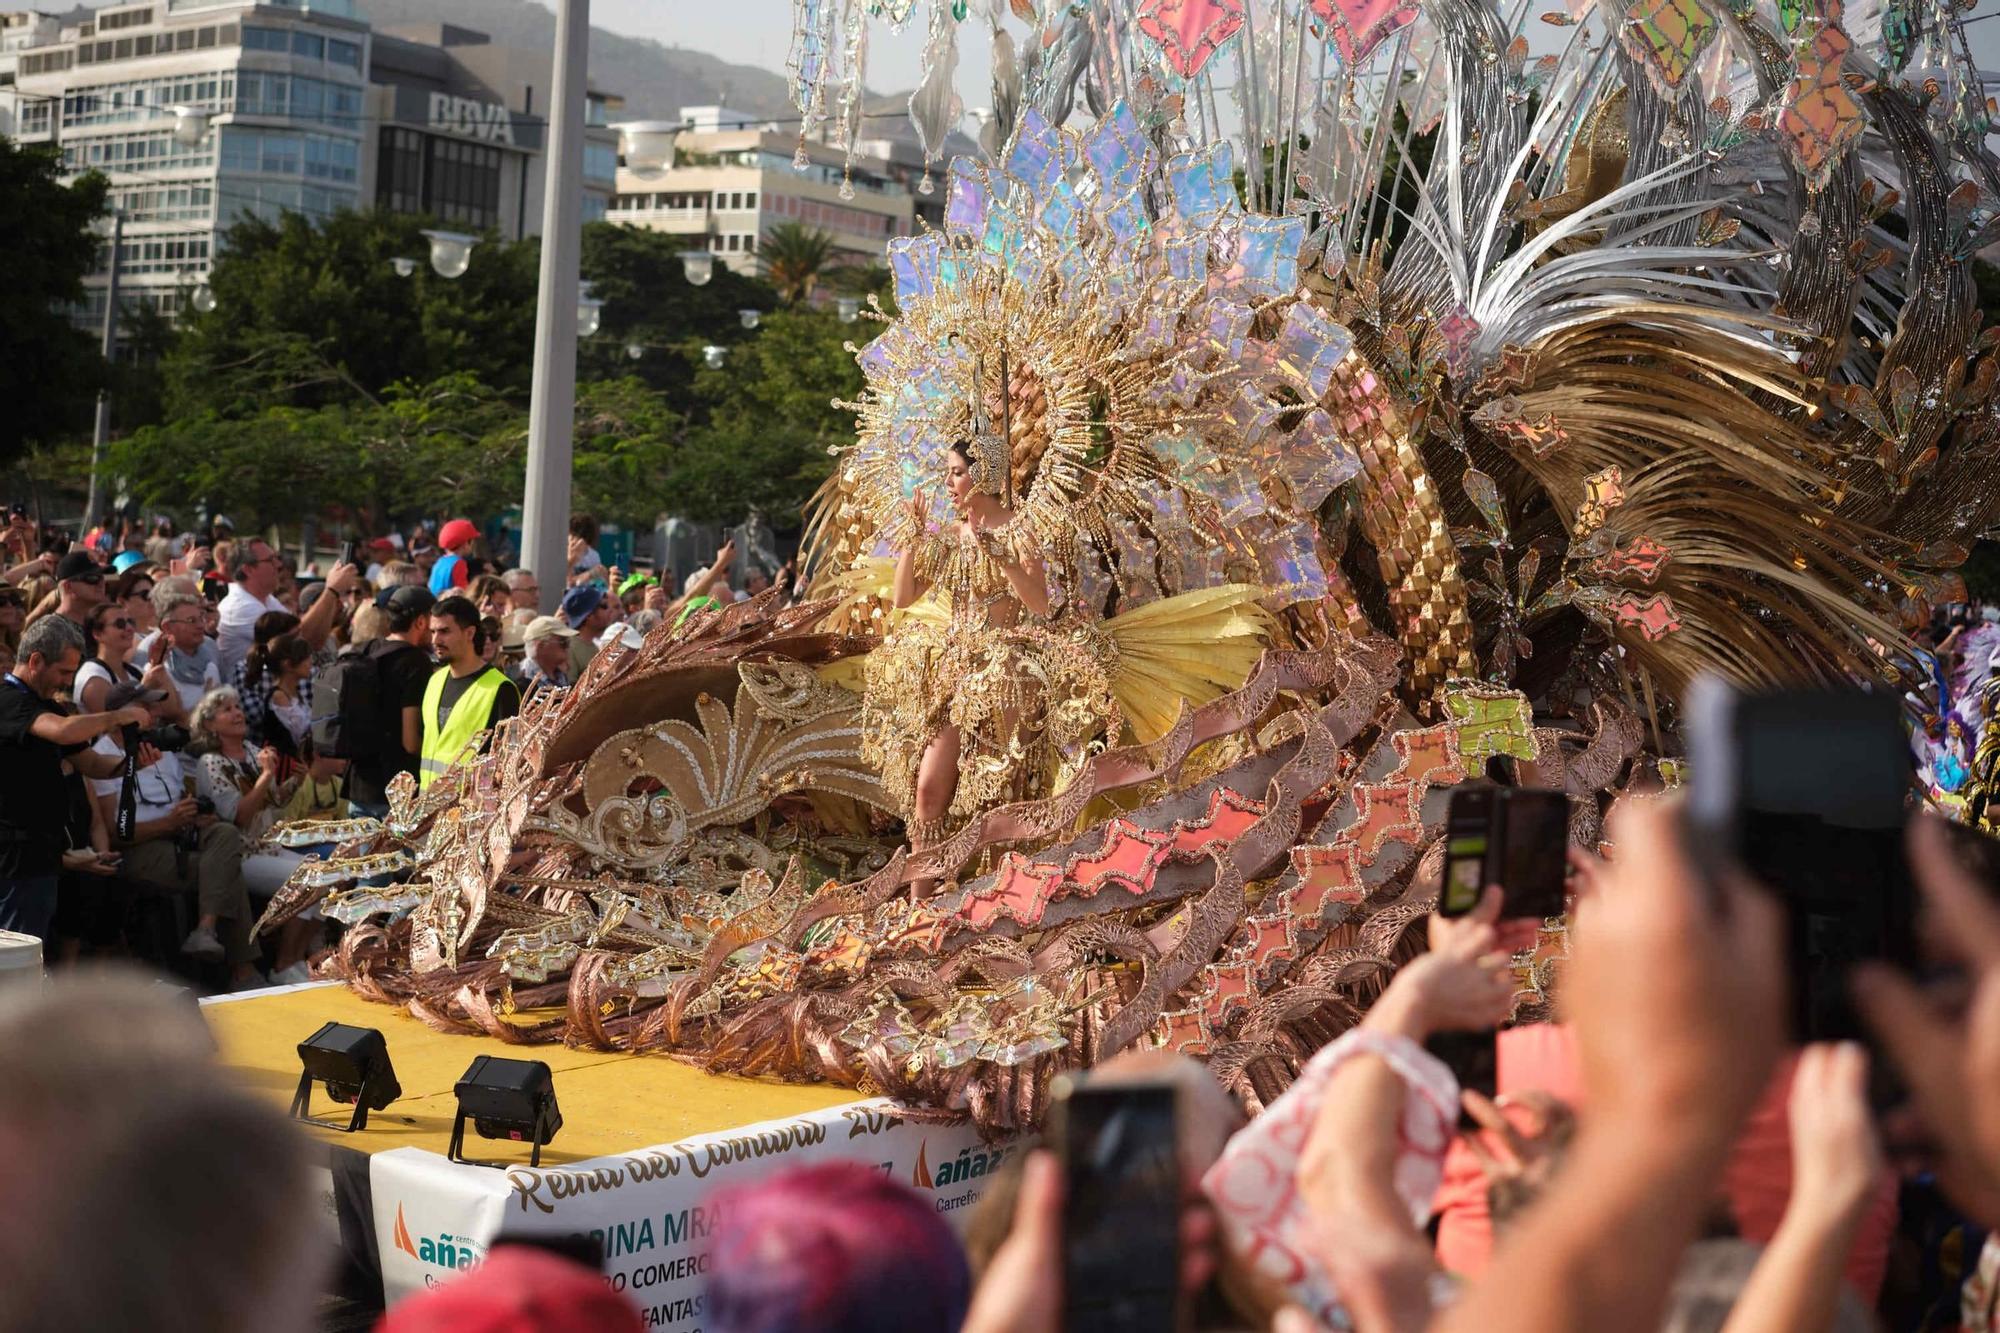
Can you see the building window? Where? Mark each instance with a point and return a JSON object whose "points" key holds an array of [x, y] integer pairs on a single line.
{"points": [[600, 161], [454, 180], [399, 181], [750, 199], [749, 245], [343, 53], [593, 208], [310, 45], [266, 39]]}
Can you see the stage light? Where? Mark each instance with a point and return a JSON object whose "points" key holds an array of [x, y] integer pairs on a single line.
{"points": [[713, 356], [750, 319], [203, 298], [354, 1064], [698, 266], [404, 265], [589, 311], [849, 308], [506, 1099]]}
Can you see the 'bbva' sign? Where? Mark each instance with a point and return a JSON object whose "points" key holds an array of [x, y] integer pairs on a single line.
{"points": [[468, 116]]}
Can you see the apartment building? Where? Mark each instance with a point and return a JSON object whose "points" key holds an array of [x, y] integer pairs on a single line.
{"points": [[733, 178]]}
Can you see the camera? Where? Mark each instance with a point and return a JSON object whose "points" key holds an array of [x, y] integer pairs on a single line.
{"points": [[203, 806], [166, 737]]}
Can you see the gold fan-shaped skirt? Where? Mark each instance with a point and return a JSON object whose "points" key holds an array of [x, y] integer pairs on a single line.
{"points": [[1030, 704]]}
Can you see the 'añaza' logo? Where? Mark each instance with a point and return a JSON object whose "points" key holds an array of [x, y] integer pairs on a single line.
{"points": [[970, 1164], [443, 1250]]}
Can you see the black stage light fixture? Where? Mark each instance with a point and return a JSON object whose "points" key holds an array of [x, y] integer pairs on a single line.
{"points": [[507, 1099], [354, 1064]]}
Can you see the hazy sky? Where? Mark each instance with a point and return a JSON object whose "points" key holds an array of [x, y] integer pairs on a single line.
{"points": [[759, 32]]}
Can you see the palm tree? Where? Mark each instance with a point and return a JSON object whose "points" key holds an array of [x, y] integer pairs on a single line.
{"points": [[796, 257]]}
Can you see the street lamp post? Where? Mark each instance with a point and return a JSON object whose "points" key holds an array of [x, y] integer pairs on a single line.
{"points": [[552, 401], [102, 432]]}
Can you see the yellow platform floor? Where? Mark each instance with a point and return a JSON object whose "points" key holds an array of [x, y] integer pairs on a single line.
{"points": [[611, 1102]]}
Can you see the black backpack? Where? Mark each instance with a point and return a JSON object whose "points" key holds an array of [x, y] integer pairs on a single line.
{"points": [[349, 718]]}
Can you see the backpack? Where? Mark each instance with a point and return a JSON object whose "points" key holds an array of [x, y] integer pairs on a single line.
{"points": [[349, 719]]}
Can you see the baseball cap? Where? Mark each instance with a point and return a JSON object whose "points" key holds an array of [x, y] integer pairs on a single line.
{"points": [[580, 601], [79, 565], [459, 532], [381, 544], [222, 521], [637, 581], [546, 627], [406, 599], [126, 559]]}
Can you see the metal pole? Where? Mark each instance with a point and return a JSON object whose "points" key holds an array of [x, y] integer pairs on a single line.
{"points": [[103, 431], [552, 404]]}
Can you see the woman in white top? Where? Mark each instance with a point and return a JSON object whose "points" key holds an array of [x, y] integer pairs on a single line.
{"points": [[246, 791], [109, 636], [283, 665]]}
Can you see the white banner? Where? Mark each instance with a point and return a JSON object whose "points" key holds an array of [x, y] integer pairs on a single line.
{"points": [[434, 1217]]}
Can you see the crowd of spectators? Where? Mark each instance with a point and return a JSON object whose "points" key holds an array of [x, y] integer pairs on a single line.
{"points": [[173, 696]]}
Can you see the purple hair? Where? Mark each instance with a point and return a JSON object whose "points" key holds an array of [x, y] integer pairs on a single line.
{"points": [[838, 1248]]}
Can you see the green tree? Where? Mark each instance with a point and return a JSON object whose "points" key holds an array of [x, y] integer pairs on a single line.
{"points": [[49, 369], [796, 258], [648, 300], [312, 313], [765, 419]]}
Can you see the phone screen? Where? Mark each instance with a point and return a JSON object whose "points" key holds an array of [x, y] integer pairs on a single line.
{"points": [[1122, 1208]]}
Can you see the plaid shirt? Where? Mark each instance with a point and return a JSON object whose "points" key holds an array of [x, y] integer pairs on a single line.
{"points": [[257, 700]]}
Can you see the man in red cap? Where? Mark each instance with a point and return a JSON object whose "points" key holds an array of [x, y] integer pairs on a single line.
{"points": [[453, 570]]}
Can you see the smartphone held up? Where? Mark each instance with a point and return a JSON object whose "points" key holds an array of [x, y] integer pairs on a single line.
{"points": [[1118, 1145], [1516, 837]]}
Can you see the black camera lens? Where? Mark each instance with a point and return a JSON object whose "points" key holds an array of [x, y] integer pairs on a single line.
{"points": [[166, 737]]}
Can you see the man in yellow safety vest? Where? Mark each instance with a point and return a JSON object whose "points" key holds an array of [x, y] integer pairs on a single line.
{"points": [[465, 696]]}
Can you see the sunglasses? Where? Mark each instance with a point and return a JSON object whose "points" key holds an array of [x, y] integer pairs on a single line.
{"points": [[120, 623]]}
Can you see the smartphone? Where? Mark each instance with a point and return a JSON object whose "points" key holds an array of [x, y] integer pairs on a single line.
{"points": [[1807, 791], [1121, 1206], [1474, 1060], [347, 554], [1516, 837]]}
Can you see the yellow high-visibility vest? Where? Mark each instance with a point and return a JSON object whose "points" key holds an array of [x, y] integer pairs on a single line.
{"points": [[469, 717]]}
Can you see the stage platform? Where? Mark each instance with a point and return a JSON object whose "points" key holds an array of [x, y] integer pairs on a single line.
{"points": [[645, 1141], [612, 1102]]}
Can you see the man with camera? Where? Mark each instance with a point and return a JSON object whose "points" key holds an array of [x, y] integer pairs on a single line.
{"points": [[172, 842], [35, 736]]}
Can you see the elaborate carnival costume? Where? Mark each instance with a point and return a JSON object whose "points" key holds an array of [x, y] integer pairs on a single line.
{"points": [[1026, 698], [1520, 390]]}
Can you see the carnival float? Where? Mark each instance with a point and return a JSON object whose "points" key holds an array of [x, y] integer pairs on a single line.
{"points": [[1345, 400]]}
